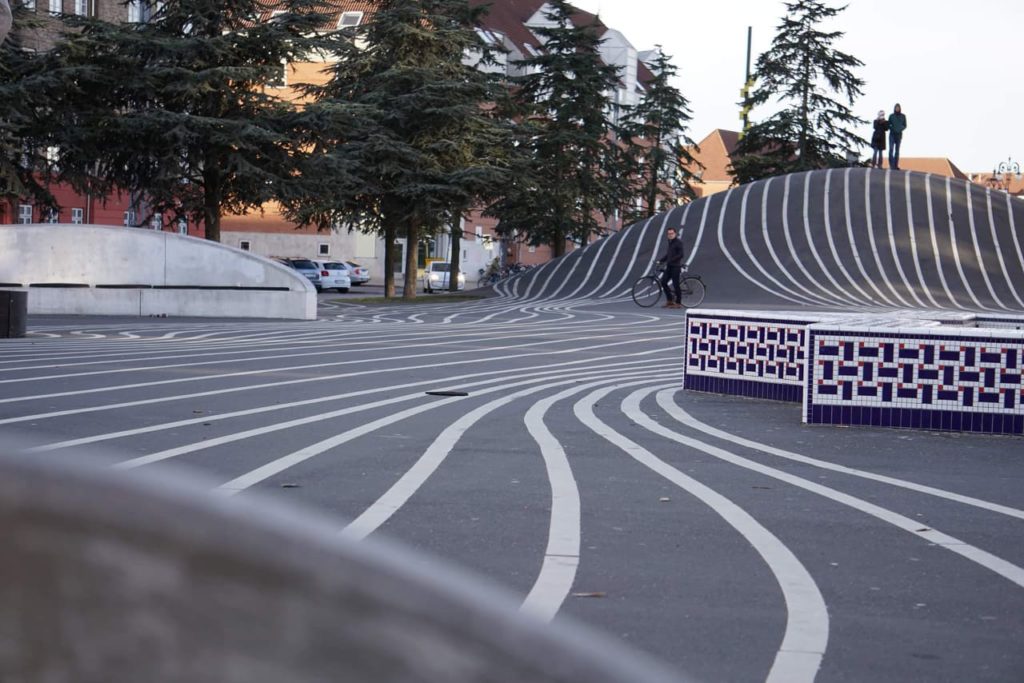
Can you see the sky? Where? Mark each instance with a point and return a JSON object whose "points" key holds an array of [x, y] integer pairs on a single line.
{"points": [[953, 66]]}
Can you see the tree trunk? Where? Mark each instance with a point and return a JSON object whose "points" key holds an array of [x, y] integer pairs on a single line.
{"points": [[211, 202], [389, 257], [455, 260], [412, 244], [558, 247]]}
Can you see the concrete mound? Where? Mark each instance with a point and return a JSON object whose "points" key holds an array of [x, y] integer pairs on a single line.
{"points": [[832, 239]]}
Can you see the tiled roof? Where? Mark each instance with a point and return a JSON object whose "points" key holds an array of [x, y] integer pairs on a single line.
{"points": [[510, 17], [937, 165]]}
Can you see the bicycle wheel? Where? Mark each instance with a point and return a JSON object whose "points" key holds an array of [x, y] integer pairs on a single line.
{"points": [[693, 291], [647, 291], [483, 282]]}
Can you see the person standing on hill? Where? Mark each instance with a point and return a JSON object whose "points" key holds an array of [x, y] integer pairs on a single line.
{"points": [[673, 260], [897, 124], [878, 139]]}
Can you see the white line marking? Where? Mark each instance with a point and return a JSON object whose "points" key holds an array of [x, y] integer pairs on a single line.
{"points": [[806, 635]]}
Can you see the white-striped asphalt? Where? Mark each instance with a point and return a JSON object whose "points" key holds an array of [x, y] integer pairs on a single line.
{"points": [[882, 275], [982, 266], [808, 295], [912, 229], [850, 232], [320, 378], [955, 248], [796, 258], [681, 415], [893, 247], [999, 249], [1008, 570], [312, 366], [725, 250], [838, 289], [806, 634], [491, 375], [260, 474], [827, 210], [933, 231]]}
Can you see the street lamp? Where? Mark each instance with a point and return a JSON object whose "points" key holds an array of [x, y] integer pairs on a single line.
{"points": [[1006, 171]]}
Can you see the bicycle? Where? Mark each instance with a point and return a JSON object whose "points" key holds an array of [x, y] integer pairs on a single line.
{"points": [[647, 289]]}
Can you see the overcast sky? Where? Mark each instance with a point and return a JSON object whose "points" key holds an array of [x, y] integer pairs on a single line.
{"points": [[954, 66]]}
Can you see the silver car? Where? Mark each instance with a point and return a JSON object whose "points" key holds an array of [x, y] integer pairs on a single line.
{"points": [[304, 266], [357, 273]]}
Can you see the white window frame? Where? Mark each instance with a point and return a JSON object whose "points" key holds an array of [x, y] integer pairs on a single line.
{"points": [[77, 216], [129, 218], [134, 12], [24, 214], [29, 4], [82, 8], [157, 221], [323, 249], [182, 226], [53, 216], [245, 245], [56, 6], [345, 20]]}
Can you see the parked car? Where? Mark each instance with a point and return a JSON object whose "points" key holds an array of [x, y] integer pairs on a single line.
{"points": [[334, 275], [436, 277], [304, 266], [357, 273]]}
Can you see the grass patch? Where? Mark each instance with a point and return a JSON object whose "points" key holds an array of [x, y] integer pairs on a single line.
{"points": [[420, 299]]}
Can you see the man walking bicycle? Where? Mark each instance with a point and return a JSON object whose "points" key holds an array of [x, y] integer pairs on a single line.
{"points": [[673, 260]]}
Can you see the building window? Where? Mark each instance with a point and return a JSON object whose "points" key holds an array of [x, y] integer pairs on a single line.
{"points": [[182, 226], [135, 12], [55, 7], [52, 216], [82, 7], [350, 19], [245, 245], [77, 215], [24, 213], [157, 221], [323, 249], [478, 231], [129, 218], [29, 4], [532, 249]]}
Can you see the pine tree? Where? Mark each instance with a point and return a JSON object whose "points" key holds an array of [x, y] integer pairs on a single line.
{"points": [[656, 142], [403, 126], [183, 108], [562, 180], [804, 72], [23, 148]]}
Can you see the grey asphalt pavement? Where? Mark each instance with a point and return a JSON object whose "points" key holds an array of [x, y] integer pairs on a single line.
{"points": [[717, 533]]}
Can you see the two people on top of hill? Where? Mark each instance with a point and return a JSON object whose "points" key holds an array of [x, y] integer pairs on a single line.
{"points": [[894, 126]]}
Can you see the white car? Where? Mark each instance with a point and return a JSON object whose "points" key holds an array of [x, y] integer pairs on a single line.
{"points": [[333, 275], [358, 274], [436, 277]]}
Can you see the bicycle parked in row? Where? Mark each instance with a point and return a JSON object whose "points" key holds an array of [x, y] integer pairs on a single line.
{"points": [[496, 275]]}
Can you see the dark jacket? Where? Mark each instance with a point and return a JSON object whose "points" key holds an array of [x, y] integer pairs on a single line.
{"points": [[878, 136], [897, 123], [674, 255]]}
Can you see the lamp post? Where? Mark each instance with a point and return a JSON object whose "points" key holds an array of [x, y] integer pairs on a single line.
{"points": [[1005, 171]]}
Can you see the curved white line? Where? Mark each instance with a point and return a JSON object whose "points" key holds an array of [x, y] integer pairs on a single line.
{"points": [[999, 249], [682, 416], [935, 243], [392, 500], [874, 244], [977, 250], [827, 210], [797, 259], [725, 249], [996, 564], [955, 247], [806, 635], [840, 292], [853, 243], [912, 229]]}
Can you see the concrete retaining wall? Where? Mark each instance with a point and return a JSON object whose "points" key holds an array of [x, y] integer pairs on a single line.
{"points": [[99, 270]]}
